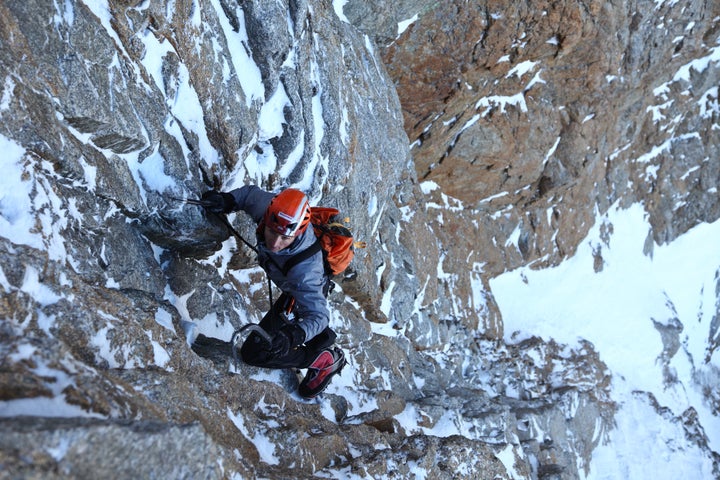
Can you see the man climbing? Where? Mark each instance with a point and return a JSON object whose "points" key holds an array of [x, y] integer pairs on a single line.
{"points": [[298, 321]]}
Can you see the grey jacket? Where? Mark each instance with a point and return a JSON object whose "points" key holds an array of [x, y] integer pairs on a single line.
{"points": [[305, 281]]}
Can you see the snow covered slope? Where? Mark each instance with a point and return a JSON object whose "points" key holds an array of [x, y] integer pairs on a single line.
{"points": [[653, 318]]}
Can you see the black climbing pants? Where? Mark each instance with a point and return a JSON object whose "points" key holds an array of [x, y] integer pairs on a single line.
{"points": [[256, 351]]}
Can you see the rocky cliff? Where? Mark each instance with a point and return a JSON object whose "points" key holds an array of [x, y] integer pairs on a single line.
{"points": [[463, 139]]}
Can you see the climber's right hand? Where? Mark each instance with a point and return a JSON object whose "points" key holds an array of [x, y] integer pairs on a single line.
{"points": [[280, 346], [218, 202], [289, 336]]}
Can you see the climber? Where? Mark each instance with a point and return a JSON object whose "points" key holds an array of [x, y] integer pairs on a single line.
{"points": [[298, 321]]}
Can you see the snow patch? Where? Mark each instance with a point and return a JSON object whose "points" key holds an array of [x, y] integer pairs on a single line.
{"points": [[617, 309]]}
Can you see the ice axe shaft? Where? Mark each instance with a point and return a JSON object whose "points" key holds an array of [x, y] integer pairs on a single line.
{"points": [[252, 328], [191, 201]]}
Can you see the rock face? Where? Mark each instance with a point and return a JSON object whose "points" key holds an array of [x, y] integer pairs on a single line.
{"points": [[485, 137], [529, 114]]}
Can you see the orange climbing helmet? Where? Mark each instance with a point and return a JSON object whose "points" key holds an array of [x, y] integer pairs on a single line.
{"points": [[288, 213]]}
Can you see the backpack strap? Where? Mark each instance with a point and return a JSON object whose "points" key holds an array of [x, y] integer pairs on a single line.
{"points": [[304, 255]]}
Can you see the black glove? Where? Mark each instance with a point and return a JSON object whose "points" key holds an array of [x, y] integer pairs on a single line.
{"points": [[218, 202], [287, 337]]}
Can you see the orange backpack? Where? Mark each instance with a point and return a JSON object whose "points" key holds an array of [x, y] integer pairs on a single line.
{"points": [[333, 238]]}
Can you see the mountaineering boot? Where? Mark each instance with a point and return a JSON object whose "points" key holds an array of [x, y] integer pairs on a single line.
{"points": [[325, 366]]}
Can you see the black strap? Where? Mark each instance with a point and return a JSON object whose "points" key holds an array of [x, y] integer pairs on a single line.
{"points": [[289, 265], [304, 255], [224, 219]]}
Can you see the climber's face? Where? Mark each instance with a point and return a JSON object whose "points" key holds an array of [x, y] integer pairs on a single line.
{"points": [[275, 241]]}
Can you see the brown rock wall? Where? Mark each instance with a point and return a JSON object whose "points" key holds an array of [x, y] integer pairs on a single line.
{"points": [[536, 115]]}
